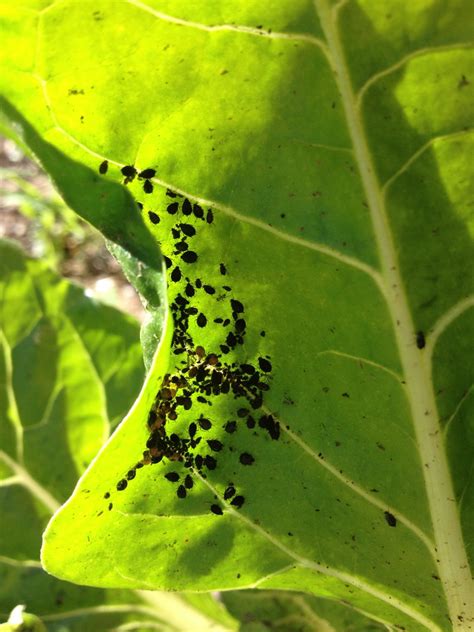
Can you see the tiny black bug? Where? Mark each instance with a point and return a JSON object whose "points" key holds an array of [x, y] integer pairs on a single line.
{"points": [[204, 423], [390, 518], [147, 186], [238, 501], [107, 495], [171, 193], [173, 208], [188, 482], [250, 422], [209, 289], [229, 492], [121, 485], [187, 208], [222, 269], [129, 171], [237, 306], [265, 365], [104, 165], [209, 217], [131, 474], [246, 458], [230, 427], [210, 462], [201, 320], [420, 340], [198, 212], [240, 325], [172, 476], [215, 445], [167, 261], [189, 290], [216, 510], [188, 229], [176, 274], [181, 491], [154, 219], [147, 173], [242, 412], [189, 256]]}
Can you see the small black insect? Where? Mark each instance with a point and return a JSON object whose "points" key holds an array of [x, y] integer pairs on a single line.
{"points": [[230, 427], [129, 172], [209, 217], [198, 283], [188, 482], [229, 492], [188, 229], [242, 412], [181, 491], [192, 429], [172, 476], [167, 261], [110, 507], [176, 275], [198, 212], [147, 173], [131, 474], [154, 219], [237, 306], [216, 510], [215, 445], [189, 256], [222, 269], [210, 462], [209, 289], [246, 458], [104, 165], [201, 320], [240, 325], [238, 501], [140, 206], [173, 208], [147, 186], [189, 290], [204, 423], [265, 365], [187, 208], [171, 193], [250, 422], [121, 485], [420, 340], [107, 495], [390, 518]]}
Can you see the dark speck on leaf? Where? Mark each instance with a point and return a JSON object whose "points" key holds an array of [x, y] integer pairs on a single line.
{"points": [[188, 230], [173, 208], [129, 171], [222, 269], [265, 365], [104, 165], [216, 510], [345, 395], [229, 492], [189, 256], [147, 173], [176, 274], [238, 501], [131, 474], [147, 186], [420, 339], [215, 445], [121, 485], [390, 518], [154, 219], [181, 491], [230, 427], [246, 458], [237, 306], [107, 495], [172, 476], [187, 208], [201, 320], [167, 261], [210, 462], [188, 482], [209, 217]]}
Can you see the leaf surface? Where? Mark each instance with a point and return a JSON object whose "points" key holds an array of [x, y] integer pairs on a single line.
{"points": [[329, 141]]}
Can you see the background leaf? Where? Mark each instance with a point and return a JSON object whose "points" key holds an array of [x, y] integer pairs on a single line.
{"points": [[329, 139]]}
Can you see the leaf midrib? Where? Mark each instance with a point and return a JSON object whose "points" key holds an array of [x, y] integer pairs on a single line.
{"points": [[453, 564]]}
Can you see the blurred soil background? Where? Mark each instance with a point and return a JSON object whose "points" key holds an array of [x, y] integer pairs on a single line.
{"points": [[33, 215]]}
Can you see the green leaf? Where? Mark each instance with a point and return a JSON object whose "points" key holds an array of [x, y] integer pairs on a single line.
{"points": [[330, 140]]}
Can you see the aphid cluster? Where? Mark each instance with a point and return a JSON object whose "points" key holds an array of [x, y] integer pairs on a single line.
{"points": [[201, 376]]}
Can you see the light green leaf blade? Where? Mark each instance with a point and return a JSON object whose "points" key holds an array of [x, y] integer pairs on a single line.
{"points": [[334, 171]]}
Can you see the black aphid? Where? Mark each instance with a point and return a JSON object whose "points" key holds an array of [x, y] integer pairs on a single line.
{"points": [[216, 510], [104, 165], [227, 288], [172, 476], [204, 423], [230, 427], [176, 274], [224, 348], [420, 339], [198, 212], [390, 518], [188, 482], [154, 219], [131, 474], [192, 429], [189, 256], [246, 458], [238, 501], [201, 320], [187, 208], [222, 269], [110, 507], [240, 325], [147, 186], [181, 491], [173, 208], [229, 492], [167, 261], [140, 206], [237, 306], [107, 495], [181, 246], [121, 485], [242, 412], [209, 289], [215, 445], [147, 173], [198, 283], [188, 229], [265, 365], [250, 422], [209, 217], [171, 193], [210, 462], [129, 171]]}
